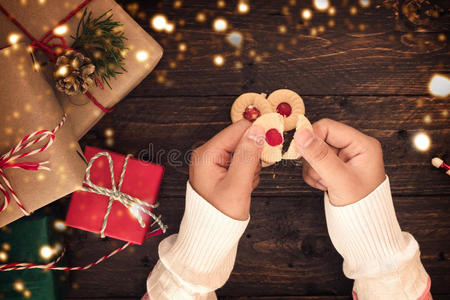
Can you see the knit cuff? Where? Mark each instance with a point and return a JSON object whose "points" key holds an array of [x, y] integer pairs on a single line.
{"points": [[204, 250], [366, 233]]}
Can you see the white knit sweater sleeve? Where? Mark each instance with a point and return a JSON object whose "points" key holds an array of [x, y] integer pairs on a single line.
{"points": [[199, 259], [383, 260]]}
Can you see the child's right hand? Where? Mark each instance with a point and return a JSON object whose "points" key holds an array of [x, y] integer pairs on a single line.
{"points": [[341, 160]]}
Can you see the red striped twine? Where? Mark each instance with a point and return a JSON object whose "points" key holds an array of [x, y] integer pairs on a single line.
{"points": [[8, 159]]}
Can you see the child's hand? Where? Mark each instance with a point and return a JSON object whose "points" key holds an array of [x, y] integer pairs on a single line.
{"points": [[224, 180], [342, 160]]}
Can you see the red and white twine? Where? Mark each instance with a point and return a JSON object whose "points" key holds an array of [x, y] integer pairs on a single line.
{"points": [[8, 159], [51, 265]]}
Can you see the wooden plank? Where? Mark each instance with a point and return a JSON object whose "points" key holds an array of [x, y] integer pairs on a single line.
{"points": [[165, 129], [285, 251], [384, 58]]}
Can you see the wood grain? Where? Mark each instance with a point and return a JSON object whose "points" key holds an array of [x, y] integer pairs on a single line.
{"points": [[164, 130], [370, 70], [384, 58], [284, 251]]}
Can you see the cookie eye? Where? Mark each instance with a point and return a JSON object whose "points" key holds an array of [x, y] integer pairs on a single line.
{"points": [[251, 113], [250, 106], [284, 109], [289, 105], [273, 137]]}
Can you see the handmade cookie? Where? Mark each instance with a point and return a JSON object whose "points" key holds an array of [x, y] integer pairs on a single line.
{"points": [[273, 144], [292, 153], [288, 104], [249, 106]]}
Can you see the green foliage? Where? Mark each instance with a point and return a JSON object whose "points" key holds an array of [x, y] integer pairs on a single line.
{"points": [[103, 41]]}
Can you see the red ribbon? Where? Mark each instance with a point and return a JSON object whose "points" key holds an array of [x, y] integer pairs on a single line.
{"points": [[32, 166], [48, 49]]}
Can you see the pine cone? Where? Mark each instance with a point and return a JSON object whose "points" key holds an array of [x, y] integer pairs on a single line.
{"points": [[74, 73]]}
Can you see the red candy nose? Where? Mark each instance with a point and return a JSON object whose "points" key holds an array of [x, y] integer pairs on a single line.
{"points": [[284, 109], [273, 137]]}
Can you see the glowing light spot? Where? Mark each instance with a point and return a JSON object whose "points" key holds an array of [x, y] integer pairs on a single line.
{"points": [[109, 132], [427, 119], [170, 27], [8, 130], [353, 10], [18, 285], [60, 30], [243, 8], [251, 53], [172, 65], [221, 4], [142, 55], [282, 29], [62, 71], [445, 112], [159, 22], [177, 4], [59, 225], [331, 23], [313, 31], [321, 5], [219, 60], [135, 211], [201, 17], [182, 47], [439, 85], [36, 66], [422, 141], [3, 256], [220, 24], [364, 3], [332, 11], [109, 142], [13, 38], [307, 14], [442, 37], [41, 177], [235, 39], [27, 294], [46, 252], [321, 29], [6, 246], [16, 114], [42, 1]]}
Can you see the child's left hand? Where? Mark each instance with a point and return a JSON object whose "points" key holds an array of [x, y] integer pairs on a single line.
{"points": [[225, 180]]}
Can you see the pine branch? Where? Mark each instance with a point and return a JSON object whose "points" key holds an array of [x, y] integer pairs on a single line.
{"points": [[102, 40]]}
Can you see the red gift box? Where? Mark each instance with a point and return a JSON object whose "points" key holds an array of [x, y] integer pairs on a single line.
{"points": [[141, 180]]}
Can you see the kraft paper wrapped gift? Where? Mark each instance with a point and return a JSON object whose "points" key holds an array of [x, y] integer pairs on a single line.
{"points": [[38, 17], [28, 104]]}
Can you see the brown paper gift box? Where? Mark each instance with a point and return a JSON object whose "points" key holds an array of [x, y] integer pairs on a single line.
{"points": [[38, 18], [28, 104]]}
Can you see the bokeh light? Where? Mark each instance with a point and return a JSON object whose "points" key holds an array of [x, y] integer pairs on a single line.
{"points": [[220, 24], [59, 225], [200, 17], [427, 119], [422, 141], [27, 294], [221, 4], [243, 7], [182, 47], [439, 85], [332, 11], [60, 30], [3, 256], [235, 39], [364, 3], [159, 22], [13, 38], [321, 5], [307, 14], [18, 285], [219, 60], [6, 246], [142, 55], [46, 252], [353, 10]]}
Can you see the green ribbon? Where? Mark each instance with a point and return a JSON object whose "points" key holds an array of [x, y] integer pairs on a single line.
{"points": [[115, 194]]}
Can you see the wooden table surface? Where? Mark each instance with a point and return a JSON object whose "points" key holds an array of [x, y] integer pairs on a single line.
{"points": [[366, 67]]}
